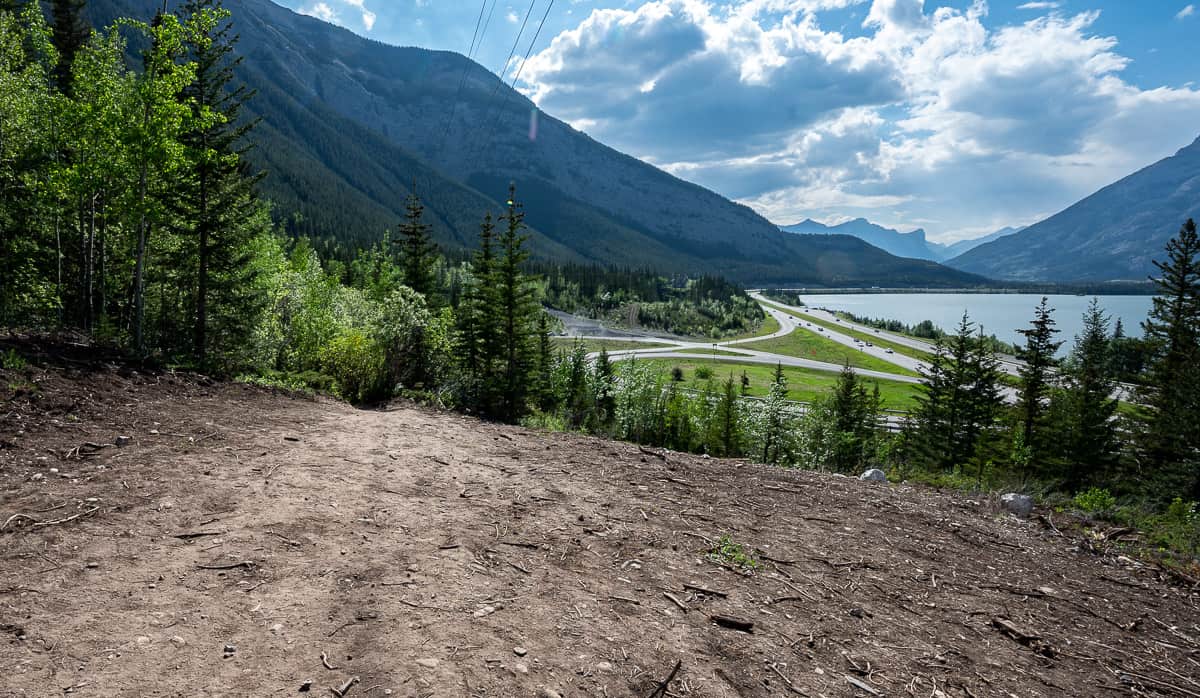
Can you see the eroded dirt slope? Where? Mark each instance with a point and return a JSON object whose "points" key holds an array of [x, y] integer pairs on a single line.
{"points": [[429, 554]]}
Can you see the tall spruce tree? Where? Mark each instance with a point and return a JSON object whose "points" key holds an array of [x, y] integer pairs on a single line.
{"points": [[1089, 440], [1170, 434], [725, 433], [578, 401], [518, 308], [775, 418], [855, 414], [959, 400], [417, 251], [543, 372], [478, 316], [71, 32], [1038, 355], [217, 203]]}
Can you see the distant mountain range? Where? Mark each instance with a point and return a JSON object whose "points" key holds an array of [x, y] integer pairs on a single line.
{"points": [[912, 244], [963, 246], [1112, 235], [351, 126]]}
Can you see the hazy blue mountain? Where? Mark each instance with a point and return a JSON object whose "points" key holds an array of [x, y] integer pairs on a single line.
{"points": [[1114, 234], [962, 246], [351, 125], [912, 244]]}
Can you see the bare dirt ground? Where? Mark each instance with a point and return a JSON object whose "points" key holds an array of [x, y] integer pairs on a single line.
{"points": [[244, 543]]}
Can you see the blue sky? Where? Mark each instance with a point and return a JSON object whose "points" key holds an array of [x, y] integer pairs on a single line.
{"points": [[958, 116]]}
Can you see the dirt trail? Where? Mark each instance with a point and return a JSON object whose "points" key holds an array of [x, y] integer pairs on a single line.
{"points": [[430, 554]]}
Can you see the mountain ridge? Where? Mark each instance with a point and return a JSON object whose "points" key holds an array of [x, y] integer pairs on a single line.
{"points": [[1113, 234], [911, 244], [351, 126]]}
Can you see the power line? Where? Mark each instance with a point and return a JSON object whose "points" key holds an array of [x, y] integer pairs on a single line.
{"points": [[487, 23], [516, 43], [532, 43], [478, 21], [462, 80], [491, 132], [500, 75]]}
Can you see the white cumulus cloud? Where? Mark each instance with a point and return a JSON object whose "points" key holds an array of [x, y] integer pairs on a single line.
{"points": [[322, 11], [326, 12], [929, 114]]}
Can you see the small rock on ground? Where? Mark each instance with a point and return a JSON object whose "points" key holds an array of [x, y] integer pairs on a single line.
{"points": [[1017, 504]]}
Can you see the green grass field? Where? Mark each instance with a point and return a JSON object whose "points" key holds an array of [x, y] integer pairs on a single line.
{"points": [[807, 344], [804, 385], [591, 345], [877, 340], [708, 352]]}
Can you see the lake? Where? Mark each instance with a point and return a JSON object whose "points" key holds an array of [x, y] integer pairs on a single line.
{"points": [[1001, 314]]}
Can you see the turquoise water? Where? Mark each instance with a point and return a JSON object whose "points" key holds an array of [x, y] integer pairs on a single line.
{"points": [[1000, 314]]}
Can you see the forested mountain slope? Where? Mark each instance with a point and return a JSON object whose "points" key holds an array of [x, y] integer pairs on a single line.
{"points": [[1114, 234], [351, 125]]}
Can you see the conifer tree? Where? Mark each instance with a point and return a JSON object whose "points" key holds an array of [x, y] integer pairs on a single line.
{"points": [[604, 382], [578, 396], [417, 251], [71, 32], [543, 392], [1038, 356], [774, 417], [478, 316], [959, 399], [517, 307], [1171, 422], [725, 429], [1089, 438], [855, 414], [217, 203]]}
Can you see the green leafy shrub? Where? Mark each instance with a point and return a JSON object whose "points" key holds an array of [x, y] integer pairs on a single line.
{"points": [[1177, 530], [704, 373], [1094, 500], [358, 367], [302, 382], [12, 361], [733, 554], [545, 421]]}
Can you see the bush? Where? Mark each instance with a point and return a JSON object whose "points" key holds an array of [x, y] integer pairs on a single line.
{"points": [[677, 374], [1178, 529], [544, 421], [303, 382], [736, 555], [704, 372], [1094, 501], [358, 367], [12, 361]]}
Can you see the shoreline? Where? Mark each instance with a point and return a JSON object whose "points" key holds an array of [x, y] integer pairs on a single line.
{"points": [[1046, 291]]}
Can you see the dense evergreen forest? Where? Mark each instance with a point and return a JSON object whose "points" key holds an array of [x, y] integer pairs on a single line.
{"points": [[708, 306], [128, 214]]}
